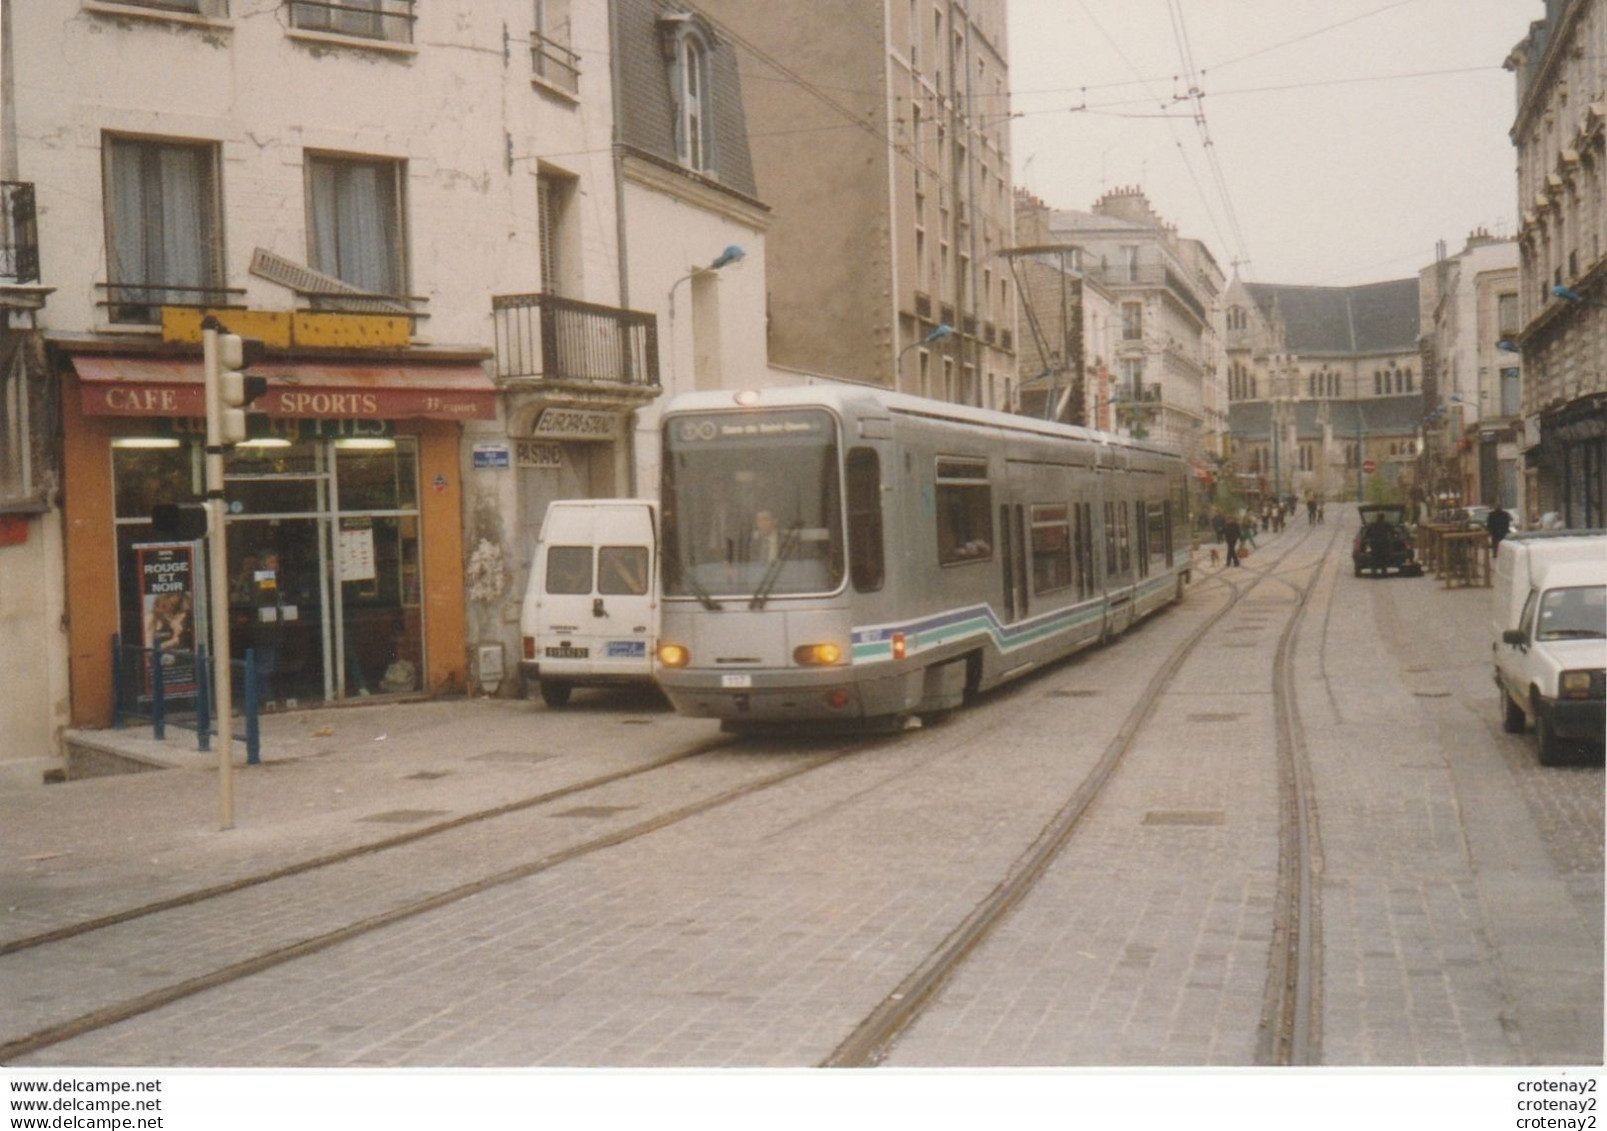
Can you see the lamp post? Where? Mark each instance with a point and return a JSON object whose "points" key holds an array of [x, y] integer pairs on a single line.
{"points": [[732, 254], [942, 330]]}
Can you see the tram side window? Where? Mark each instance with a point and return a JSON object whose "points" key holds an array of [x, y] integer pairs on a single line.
{"points": [[1051, 549], [866, 561], [1124, 542], [964, 512]]}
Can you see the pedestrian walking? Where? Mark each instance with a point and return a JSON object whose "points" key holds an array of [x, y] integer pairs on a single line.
{"points": [[1218, 523], [1499, 524], [1230, 535], [1247, 530]]}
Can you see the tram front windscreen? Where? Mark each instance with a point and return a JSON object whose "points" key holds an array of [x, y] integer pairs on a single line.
{"points": [[751, 504]]}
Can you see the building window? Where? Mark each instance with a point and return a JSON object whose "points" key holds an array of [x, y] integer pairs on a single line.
{"points": [[355, 229], [1132, 378], [690, 76], [1507, 315], [552, 58], [555, 195], [389, 20], [1511, 392], [1130, 262], [1132, 321], [164, 240]]}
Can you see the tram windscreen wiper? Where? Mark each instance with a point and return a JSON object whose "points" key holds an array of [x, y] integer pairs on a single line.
{"points": [[773, 574], [698, 591]]}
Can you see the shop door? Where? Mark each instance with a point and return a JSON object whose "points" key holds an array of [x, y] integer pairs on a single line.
{"points": [[278, 596]]}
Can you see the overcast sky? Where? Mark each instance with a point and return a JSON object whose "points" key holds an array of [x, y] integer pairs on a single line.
{"points": [[1350, 135]]}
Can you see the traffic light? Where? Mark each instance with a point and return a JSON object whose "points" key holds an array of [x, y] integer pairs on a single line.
{"points": [[178, 522], [237, 389]]}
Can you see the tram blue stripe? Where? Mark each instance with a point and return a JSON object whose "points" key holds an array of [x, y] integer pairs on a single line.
{"points": [[875, 643]]}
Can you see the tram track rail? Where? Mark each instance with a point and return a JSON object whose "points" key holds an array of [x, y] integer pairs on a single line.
{"points": [[1290, 1030], [341, 856], [1289, 1015], [100, 1018]]}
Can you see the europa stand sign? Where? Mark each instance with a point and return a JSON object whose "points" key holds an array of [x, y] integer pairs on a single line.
{"points": [[167, 593]]}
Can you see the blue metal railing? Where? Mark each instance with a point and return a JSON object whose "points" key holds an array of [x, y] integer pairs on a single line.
{"points": [[170, 686]]}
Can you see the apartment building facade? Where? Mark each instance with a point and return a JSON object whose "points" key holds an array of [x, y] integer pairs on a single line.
{"points": [[1163, 292], [1560, 131], [1473, 421], [880, 134], [427, 211]]}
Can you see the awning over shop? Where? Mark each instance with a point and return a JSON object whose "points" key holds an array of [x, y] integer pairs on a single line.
{"points": [[146, 386]]}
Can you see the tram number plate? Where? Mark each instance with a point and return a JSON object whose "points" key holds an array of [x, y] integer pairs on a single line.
{"points": [[736, 681]]}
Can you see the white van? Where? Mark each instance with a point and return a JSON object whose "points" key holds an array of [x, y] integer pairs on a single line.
{"points": [[1550, 636], [590, 614]]}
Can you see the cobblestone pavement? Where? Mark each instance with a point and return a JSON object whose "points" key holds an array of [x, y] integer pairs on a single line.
{"points": [[1461, 884]]}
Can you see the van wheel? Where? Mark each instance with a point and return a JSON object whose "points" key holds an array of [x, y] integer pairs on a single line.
{"points": [[1551, 747], [1512, 718], [555, 693]]}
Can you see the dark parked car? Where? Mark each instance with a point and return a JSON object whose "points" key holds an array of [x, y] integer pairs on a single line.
{"points": [[1384, 543]]}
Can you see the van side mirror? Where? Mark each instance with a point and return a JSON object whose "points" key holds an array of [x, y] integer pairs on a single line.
{"points": [[1514, 636]]}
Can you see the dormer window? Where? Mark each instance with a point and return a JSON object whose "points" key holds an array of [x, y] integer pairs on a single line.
{"points": [[691, 44]]}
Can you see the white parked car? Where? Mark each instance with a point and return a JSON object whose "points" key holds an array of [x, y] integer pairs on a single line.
{"points": [[1551, 637]]}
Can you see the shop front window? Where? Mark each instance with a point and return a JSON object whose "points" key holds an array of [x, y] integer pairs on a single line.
{"points": [[324, 559]]}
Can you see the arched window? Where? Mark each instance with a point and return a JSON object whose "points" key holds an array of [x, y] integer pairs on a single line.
{"points": [[691, 42]]}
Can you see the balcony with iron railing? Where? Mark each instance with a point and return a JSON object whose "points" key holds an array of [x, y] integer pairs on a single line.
{"points": [[554, 64], [139, 304], [19, 234], [542, 337]]}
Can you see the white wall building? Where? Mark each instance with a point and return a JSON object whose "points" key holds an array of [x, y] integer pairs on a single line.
{"points": [[428, 210]]}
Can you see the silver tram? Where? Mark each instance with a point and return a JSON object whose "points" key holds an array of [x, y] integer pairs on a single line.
{"points": [[839, 553]]}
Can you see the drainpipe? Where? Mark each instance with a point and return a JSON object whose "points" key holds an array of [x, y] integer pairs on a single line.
{"points": [[8, 101], [625, 464], [616, 93]]}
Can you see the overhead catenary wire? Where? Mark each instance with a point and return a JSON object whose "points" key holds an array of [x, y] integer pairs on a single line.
{"points": [[1187, 164], [1197, 101]]}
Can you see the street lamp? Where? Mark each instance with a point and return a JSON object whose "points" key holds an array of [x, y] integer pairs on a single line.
{"points": [[942, 330], [732, 254]]}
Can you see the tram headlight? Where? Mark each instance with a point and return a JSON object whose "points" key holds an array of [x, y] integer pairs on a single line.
{"points": [[817, 655], [673, 655]]}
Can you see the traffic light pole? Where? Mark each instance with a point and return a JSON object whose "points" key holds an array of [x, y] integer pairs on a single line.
{"points": [[218, 588]]}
